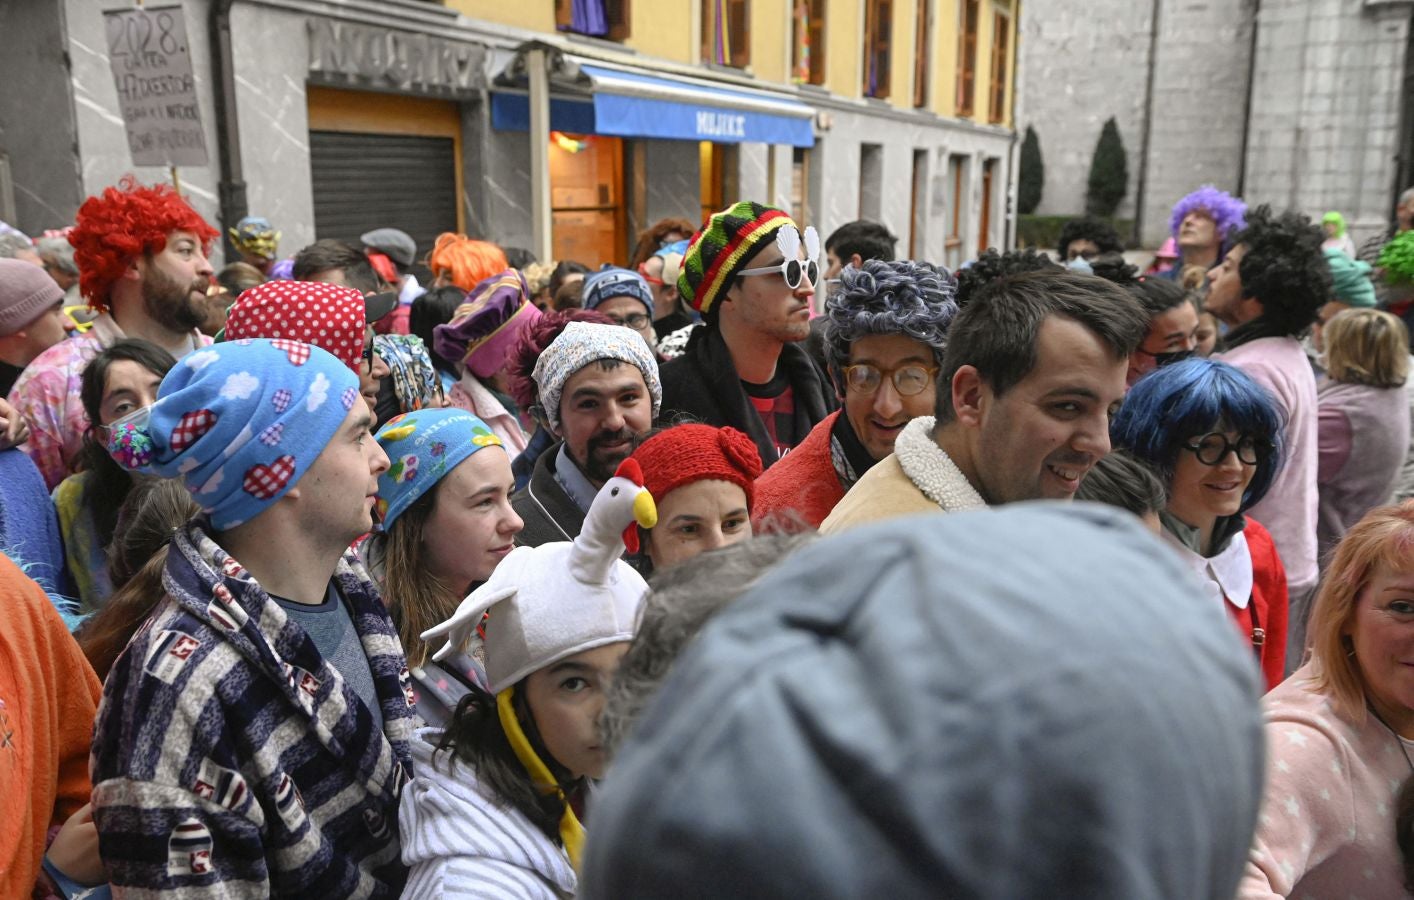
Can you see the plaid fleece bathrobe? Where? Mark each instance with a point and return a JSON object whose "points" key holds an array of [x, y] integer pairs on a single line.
{"points": [[230, 760]]}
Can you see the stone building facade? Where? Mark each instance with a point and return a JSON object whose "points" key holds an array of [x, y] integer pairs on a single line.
{"points": [[1296, 103]]}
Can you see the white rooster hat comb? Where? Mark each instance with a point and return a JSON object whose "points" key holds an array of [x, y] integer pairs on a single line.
{"points": [[550, 602]]}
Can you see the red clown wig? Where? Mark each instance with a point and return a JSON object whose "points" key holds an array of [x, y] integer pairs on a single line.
{"points": [[123, 223]]}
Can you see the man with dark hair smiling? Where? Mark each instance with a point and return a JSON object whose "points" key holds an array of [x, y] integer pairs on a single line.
{"points": [[1034, 366], [1269, 290]]}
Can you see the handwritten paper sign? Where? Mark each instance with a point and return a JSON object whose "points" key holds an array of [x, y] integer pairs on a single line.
{"points": [[151, 60]]}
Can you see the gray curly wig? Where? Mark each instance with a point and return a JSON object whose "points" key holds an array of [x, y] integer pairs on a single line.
{"points": [[915, 299]]}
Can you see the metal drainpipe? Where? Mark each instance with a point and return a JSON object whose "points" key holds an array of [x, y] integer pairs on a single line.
{"points": [[1141, 178], [231, 187], [1247, 106]]}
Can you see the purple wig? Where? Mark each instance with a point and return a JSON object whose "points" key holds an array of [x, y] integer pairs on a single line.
{"points": [[1226, 210]]}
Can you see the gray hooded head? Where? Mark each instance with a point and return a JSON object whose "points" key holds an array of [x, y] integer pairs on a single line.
{"points": [[1028, 701]]}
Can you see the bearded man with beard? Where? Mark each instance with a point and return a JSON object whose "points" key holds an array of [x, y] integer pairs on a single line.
{"points": [[597, 391], [141, 253]]}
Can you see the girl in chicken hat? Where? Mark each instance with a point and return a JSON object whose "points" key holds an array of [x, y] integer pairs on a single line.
{"points": [[499, 794]]}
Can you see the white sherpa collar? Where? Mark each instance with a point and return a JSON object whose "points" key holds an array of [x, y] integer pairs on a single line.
{"points": [[931, 470]]}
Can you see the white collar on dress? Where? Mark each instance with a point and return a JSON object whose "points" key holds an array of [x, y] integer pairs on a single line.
{"points": [[1228, 575]]}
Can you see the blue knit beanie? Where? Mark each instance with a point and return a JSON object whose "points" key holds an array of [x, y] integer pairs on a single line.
{"points": [[240, 423], [423, 447], [612, 281]]}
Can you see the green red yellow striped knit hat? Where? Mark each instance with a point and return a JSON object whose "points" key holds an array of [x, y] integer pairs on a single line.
{"points": [[721, 248]]}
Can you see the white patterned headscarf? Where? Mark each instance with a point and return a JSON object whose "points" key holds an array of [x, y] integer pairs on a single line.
{"points": [[582, 343]]}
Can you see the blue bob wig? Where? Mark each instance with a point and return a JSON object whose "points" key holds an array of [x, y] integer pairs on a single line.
{"points": [[1184, 400]]}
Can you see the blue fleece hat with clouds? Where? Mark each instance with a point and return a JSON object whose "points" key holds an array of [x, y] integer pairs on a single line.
{"points": [[240, 423]]}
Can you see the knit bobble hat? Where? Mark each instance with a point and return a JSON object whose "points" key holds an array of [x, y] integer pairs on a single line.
{"points": [[26, 290], [610, 282], [720, 250], [326, 315], [1351, 279], [486, 326], [685, 454]]}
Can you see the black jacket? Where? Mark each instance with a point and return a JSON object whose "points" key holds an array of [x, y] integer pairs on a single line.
{"points": [[549, 513], [703, 384]]}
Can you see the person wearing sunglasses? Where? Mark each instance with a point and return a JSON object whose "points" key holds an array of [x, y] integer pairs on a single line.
{"points": [[750, 272], [1216, 438], [624, 296], [1173, 326], [884, 337]]}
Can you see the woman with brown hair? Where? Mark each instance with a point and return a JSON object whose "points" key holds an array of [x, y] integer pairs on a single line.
{"points": [[1340, 730], [657, 236], [447, 521]]}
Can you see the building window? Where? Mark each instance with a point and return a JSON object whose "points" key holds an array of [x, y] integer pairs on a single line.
{"points": [[922, 25], [724, 32], [984, 228], [1000, 36], [878, 25], [871, 181], [952, 243], [606, 19], [807, 51], [800, 185], [967, 56], [918, 205]]}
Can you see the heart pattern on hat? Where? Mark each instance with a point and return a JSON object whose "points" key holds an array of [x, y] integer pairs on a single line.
{"points": [[348, 398], [270, 437], [263, 482], [281, 400], [191, 427], [296, 352]]}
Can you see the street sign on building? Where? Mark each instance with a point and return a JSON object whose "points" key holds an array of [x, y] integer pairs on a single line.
{"points": [[151, 62]]}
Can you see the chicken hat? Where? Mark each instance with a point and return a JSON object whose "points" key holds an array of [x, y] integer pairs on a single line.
{"points": [[550, 602]]}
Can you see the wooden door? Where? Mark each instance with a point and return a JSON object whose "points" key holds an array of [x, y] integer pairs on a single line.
{"points": [[586, 199]]}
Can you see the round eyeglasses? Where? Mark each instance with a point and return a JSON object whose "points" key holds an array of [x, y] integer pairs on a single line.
{"points": [[1212, 448], [636, 321], [793, 270], [909, 381]]}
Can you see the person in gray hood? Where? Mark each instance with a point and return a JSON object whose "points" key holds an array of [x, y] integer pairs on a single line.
{"points": [[903, 716]]}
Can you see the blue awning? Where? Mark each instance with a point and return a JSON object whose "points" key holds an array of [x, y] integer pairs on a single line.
{"points": [[623, 103]]}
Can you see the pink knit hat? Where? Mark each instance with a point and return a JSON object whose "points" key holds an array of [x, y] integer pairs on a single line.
{"points": [[26, 290]]}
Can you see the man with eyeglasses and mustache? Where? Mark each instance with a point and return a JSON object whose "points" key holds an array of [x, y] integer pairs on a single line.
{"points": [[597, 391], [885, 331], [141, 253], [751, 273]]}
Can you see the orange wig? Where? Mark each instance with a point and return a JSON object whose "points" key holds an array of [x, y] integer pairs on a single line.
{"points": [[465, 262], [123, 223]]}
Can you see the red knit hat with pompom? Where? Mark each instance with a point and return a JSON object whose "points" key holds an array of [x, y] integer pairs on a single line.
{"points": [[684, 454]]}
